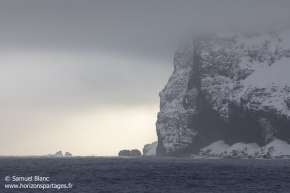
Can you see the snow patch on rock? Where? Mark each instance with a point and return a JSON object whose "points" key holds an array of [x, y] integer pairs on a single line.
{"points": [[215, 149], [241, 150], [276, 148], [150, 149]]}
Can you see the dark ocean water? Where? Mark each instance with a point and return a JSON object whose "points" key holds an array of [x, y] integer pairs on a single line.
{"points": [[104, 174]]}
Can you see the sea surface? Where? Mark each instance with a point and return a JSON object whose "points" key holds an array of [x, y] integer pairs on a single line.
{"points": [[166, 175]]}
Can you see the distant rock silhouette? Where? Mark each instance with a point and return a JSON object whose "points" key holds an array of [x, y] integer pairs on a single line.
{"points": [[133, 152], [124, 153], [58, 154], [67, 154]]}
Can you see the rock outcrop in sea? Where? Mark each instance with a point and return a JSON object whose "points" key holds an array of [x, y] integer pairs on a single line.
{"points": [[234, 88], [68, 154], [133, 152], [150, 149], [58, 154]]}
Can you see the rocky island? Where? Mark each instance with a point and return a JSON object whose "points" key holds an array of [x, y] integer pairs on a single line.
{"points": [[133, 153], [60, 154], [229, 94], [68, 154]]}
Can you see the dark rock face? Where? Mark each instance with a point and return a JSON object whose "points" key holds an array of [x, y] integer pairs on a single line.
{"points": [[231, 88], [133, 152], [124, 153]]}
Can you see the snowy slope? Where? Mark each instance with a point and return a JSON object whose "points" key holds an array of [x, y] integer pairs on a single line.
{"points": [[215, 149], [150, 149], [241, 150], [275, 149]]}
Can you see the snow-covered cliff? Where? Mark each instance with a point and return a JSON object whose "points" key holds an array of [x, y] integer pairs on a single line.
{"points": [[150, 149], [234, 88]]}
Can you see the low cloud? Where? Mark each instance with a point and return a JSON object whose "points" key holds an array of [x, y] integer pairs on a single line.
{"points": [[62, 61]]}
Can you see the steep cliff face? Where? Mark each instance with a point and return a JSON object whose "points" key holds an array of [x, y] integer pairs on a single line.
{"points": [[232, 88], [150, 149]]}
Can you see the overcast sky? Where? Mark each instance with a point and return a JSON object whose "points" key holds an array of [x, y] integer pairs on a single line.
{"points": [[84, 76]]}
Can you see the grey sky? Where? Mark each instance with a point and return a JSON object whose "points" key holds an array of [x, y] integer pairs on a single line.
{"points": [[91, 61], [125, 27]]}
